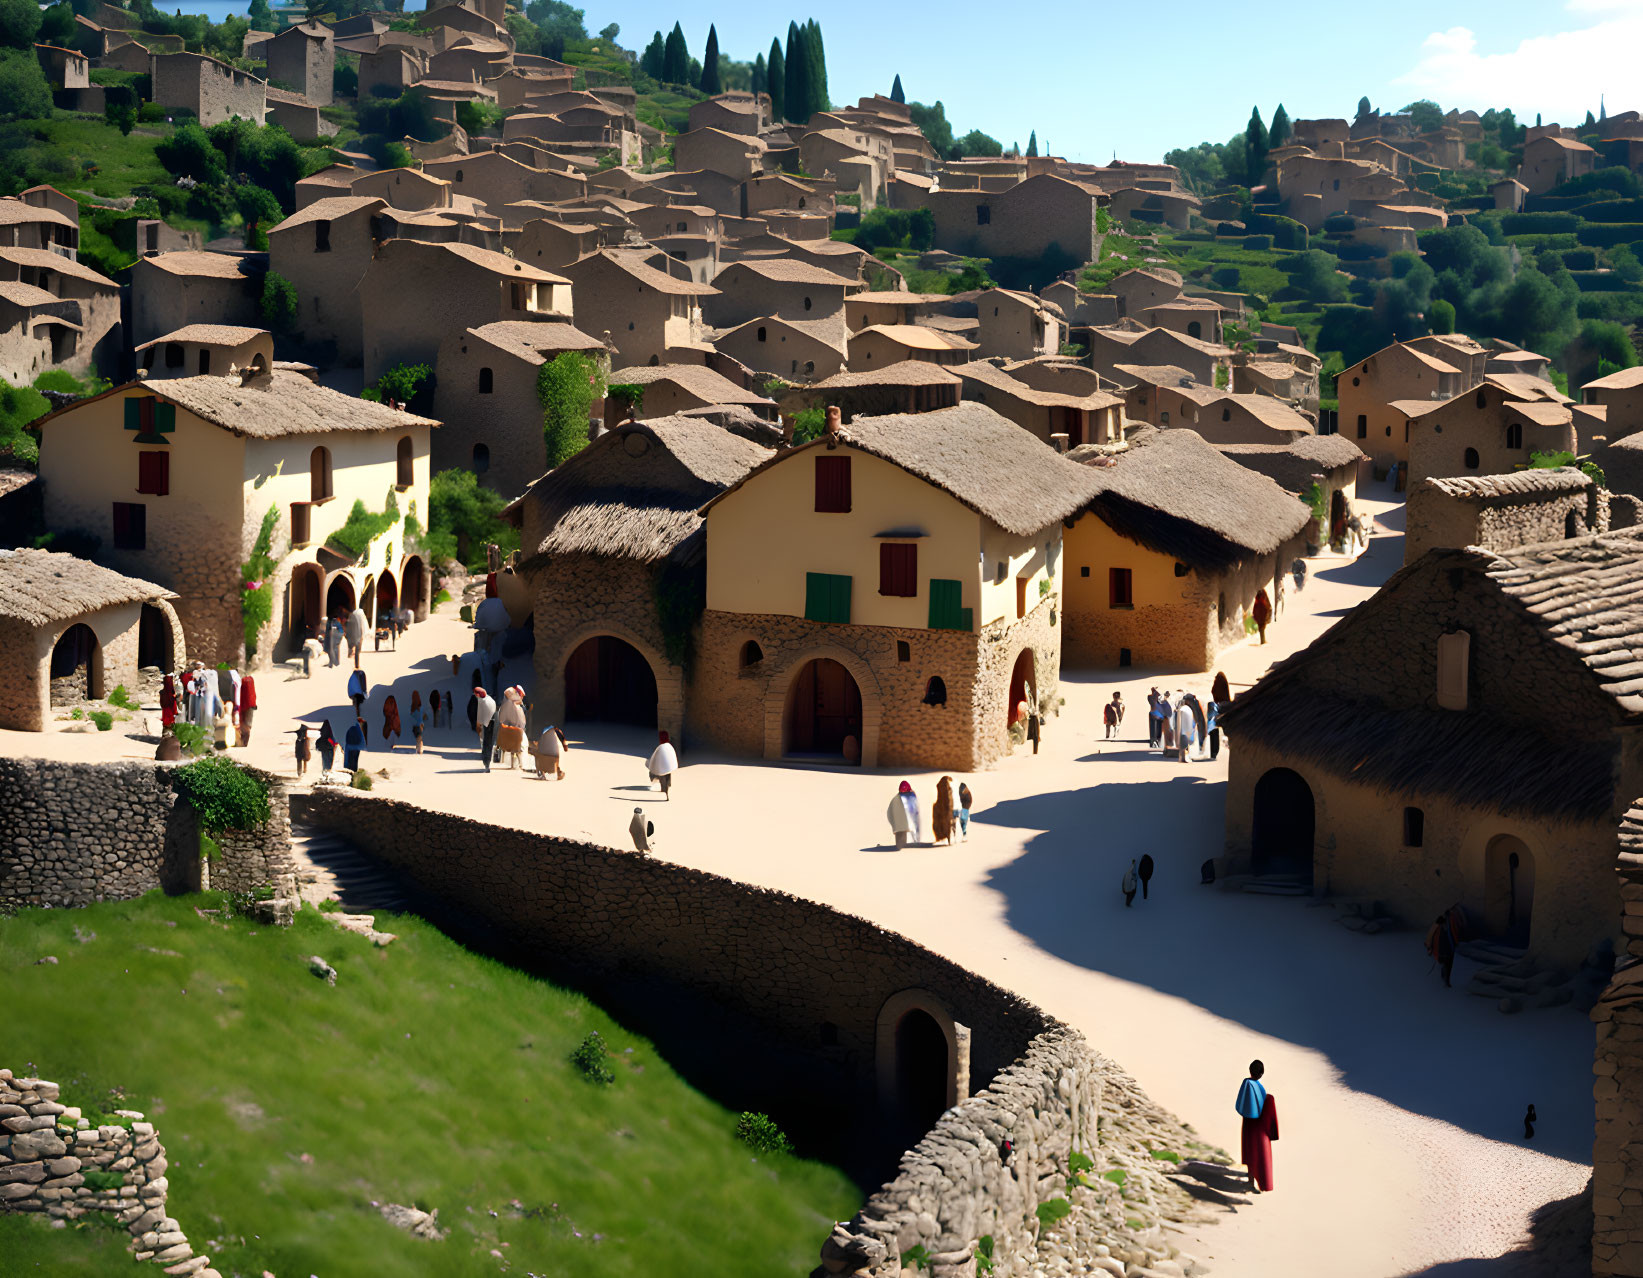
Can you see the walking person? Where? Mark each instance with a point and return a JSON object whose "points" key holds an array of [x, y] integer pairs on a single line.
{"points": [[358, 687], [305, 750], [355, 634], [1144, 873], [903, 816], [1112, 715], [352, 743], [168, 702], [327, 743], [1262, 612], [510, 730], [964, 804], [418, 718], [1186, 730], [333, 641], [1441, 946], [1220, 697], [390, 722], [1128, 886], [484, 713], [662, 764], [550, 752], [1155, 718], [433, 708], [941, 816], [1260, 1114]]}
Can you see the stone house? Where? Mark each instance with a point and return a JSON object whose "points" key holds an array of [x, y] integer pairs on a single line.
{"points": [[1043, 215], [1292, 383], [1174, 209], [1382, 394], [324, 249], [64, 69], [1500, 512], [170, 290], [1202, 361], [496, 181], [392, 69], [912, 386], [606, 537], [860, 161], [211, 89], [1018, 325], [879, 345], [862, 310], [555, 245], [486, 403], [1491, 429], [1144, 287], [1468, 735], [1315, 188], [644, 313], [1332, 463], [414, 294], [1244, 419], [1196, 317], [1549, 162], [1508, 195], [731, 113], [41, 218], [928, 668], [1081, 309], [409, 189], [681, 388], [765, 192], [1529, 363], [303, 58], [794, 350], [1165, 559], [332, 181], [1460, 351], [786, 289], [198, 350], [1054, 417], [1620, 396], [55, 312], [210, 459], [71, 631], [738, 156], [299, 117]]}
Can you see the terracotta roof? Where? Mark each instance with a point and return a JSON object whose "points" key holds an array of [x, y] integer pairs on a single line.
{"points": [[527, 339], [43, 259], [907, 372], [698, 379], [784, 271], [39, 587], [209, 335], [221, 266], [1517, 483]]}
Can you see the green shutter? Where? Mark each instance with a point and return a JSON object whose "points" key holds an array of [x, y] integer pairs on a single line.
{"points": [[841, 600], [946, 612], [826, 597], [134, 413], [165, 418]]}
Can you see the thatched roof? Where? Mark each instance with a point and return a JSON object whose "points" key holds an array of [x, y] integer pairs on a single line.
{"points": [[983, 460], [1291, 466], [1177, 494], [40, 587], [1515, 484], [636, 491], [907, 372], [698, 380], [208, 335]]}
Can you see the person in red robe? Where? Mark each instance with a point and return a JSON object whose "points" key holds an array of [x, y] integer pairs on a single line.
{"points": [[1259, 1110], [247, 707], [168, 702]]}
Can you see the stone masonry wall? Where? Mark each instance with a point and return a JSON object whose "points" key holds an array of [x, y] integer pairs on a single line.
{"points": [[74, 833], [46, 1149], [1436, 519], [1617, 1150]]}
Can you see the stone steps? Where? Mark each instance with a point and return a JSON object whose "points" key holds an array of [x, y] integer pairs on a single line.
{"points": [[330, 868]]}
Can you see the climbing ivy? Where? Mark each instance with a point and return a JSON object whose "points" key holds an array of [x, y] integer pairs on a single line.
{"points": [[225, 795], [681, 597], [362, 527], [256, 584]]}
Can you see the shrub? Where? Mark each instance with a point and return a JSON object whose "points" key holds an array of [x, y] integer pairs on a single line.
{"points": [[363, 527], [1052, 1210], [24, 93], [279, 303], [463, 517], [362, 780], [256, 582], [225, 795], [405, 383], [760, 1133], [191, 736], [589, 1059], [566, 387], [104, 719], [915, 1257], [96, 1178], [120, 697]]}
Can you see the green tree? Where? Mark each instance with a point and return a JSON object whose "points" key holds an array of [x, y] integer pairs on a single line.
{"points": [[710, 83], [610, 32], [57, 25], [557, 21], [676, 57], [566, 387], [776, 72], [819, 99], [24, 93], [407, 384], [1281, 130], [188, 152], [1032, 143], [1425, 115], [1441, 316], [932, 122], [654, 59], [977, 143], [120, 112], [1256, 143], [262, 17], [259, 208], [463, 517], [1317, 275], [761, 76], [19, 24], [896, 92], [19, 406], [279, 303], [797, 67]]}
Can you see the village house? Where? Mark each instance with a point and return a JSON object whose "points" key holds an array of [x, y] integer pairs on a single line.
{"points": [[645, 314], [169, 290], [731, 113], [1508, 195], [1081, 309], [879, 637], [497, 181], [1549, 162], [1491, 429], [1196, 317], [324, 250], [486, 402], [409, 189], [413, 295], [197, 350], [1501, 359], [862, 310], [1044, 216], [859, 161], [211, 89], [1143, 287], [41, 218], [606, 537], [1620, 396], [389, 71], [878, 345], [682, 388], [1166, 557], [1174, 209], [216, 459], [55, 312], [1460, 352], [1499, 512], [1017, 325], [766, 192], [796, 350], [555, 245], [1294, 383], [1054, 417], [1205, 362], [738, 156], [1166, 397], [71, 631], [1322, 470], [1382, 394], [1468, 735], [776, 287], [302, 58], [912, 386]]}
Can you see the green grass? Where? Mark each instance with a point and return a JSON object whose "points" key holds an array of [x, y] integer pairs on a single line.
{"points": [[665, 108], [427, 1076], [122, 162]]}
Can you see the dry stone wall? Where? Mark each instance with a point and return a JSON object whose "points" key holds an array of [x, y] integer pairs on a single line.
{"points": [[74, 833], [1617, 1150], [47, 1150]]}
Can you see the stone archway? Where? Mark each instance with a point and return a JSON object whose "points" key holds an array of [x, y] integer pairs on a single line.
{"points": [[608, 680], [921, 1059], [779, 691], [822, 714], [1283, 825], [339, 595], [551, 663], [159, 638], [307, 616], [387, 596], [76, 668], [1023, 674], [413, 587], [1508, 888]]}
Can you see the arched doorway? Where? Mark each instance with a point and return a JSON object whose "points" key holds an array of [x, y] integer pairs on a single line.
{"points": [[339, 596], [1283, 825], [1021, 679], [76, 666], [155, 646], [1508, 888], [306, 618], [923, 1070], [823, 709], [608, 680], [387, 595], [413, 590], [368, 600]]}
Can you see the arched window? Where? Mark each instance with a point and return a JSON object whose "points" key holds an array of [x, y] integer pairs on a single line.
{"points": [[750, 655], [761, 332], [404, 456], [935, 692], [1471, 459], [1480, 400], [801, 201], [487, 381], [1195, 329], [459, 175], [482, 458], [319, 475], [1514, 435]]}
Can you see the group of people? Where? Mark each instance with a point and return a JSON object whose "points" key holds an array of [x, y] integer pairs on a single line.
{"points": [[1180, 723], [907, 826], [221, 702], [345, 634]]}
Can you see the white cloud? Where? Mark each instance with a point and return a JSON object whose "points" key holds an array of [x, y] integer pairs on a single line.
{"points": [[1558, 75]]}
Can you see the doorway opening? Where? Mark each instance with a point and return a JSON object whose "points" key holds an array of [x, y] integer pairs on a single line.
{"points": [[824, 711], [608, 680]]}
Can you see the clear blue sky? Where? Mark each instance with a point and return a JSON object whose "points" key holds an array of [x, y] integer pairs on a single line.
{"points": [[1140, 79]]}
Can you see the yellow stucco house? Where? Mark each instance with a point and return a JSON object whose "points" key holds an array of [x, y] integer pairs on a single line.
{"points": [[177, 478], [888, 593]]}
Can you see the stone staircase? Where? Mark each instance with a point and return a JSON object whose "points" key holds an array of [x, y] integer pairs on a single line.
{"points": [[331, 868]]}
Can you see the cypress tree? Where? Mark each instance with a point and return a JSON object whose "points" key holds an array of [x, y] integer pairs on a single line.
{"points": [[776, 80], [760, 76], [1281, 130], [654, 57], [819, 99], [1032, 143], [710, 84], [896, 93], [676, 61], [798, 75], [1256, 144]]}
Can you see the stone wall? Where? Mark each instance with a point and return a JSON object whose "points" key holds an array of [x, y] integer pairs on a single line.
{"points": [[1435, 518], [1617, 1150], [82, 832], [46, 1148], [27, 691], [960, 1184]]}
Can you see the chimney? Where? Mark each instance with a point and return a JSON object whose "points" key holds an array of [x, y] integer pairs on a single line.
{"points": [[787, 430], [1059, 440], [833, 419]]}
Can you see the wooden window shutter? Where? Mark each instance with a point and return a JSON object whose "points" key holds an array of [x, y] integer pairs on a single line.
{"points": [[833, 485], [946, 610], [898, 570], [826, 597], [154, 473]]}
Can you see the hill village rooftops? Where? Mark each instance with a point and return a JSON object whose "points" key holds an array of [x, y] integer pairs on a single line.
{"points": [[642, 271], [501, 263], [328, 209], [1526, 483], [19, 294], [15, 212], [38, 587], [786, 271], [45, 260], [698, 379], [993, 376], [527, 339], [221, 266], [1292, 466], [277, 404], [1625, 379], [907, 372], [208, 335], [918, 337]]}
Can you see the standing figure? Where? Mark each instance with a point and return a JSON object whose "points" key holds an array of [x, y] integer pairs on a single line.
{"points": [[641, 830], [311, 648], [223, 725], [1144, 872], [305, 749], [1186, 730], [352, 743], [1441, 946], [964, 805], [390, 722], [550, 752], [1220, 697], [355, 634], [1155, 719], [1262, 612], [1127, 885], [327, 746], [484, 715], [663, 763], [941, 816], [247, 706], [357, 689], [903, 816], [168, 702], [510, 732], [418, 718], [1034, 726], [433, 708], [1260, 1114], [333, 641], [1112, 714]]}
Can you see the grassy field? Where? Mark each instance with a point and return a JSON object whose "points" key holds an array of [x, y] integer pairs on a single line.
{"points": [[426, 1076], [121, 162]]}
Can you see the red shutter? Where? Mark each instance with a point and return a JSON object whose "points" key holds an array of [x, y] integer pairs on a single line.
{"points": [[833, 485], [154, 473], [1119, 588], [898, 570]]}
